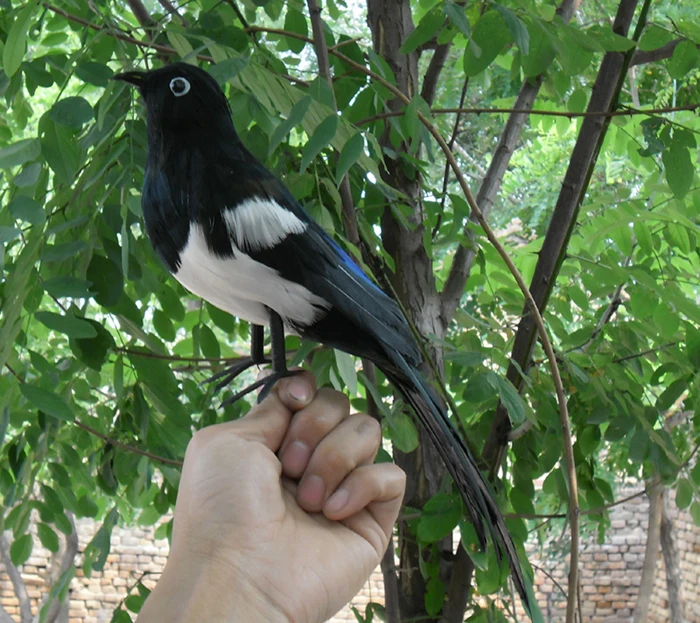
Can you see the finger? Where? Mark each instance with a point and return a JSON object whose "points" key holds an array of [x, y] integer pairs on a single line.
{"points": [[353, 442], [309, 427], [368, 502], [267, 422], [296, 391]]}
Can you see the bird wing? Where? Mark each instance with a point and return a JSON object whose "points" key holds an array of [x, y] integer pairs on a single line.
{"points": [[270, 225]]}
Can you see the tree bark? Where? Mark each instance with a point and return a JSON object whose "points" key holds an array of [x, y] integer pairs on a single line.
{"points": [[61, 562], [669, 549], [20, 588], [414, 281], [651, 555]]}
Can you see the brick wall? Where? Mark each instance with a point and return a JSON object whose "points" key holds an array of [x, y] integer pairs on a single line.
{"points": [[610, 573]]}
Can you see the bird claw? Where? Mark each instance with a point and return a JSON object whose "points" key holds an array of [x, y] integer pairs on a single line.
{"points": [[267, 383], [229, 374]]}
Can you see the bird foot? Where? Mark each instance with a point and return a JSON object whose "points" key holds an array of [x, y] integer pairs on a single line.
{"points": [[232, 372], [266, 383]]}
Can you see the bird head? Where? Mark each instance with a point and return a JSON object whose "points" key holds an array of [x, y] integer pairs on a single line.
{"points": [[181, 98]]}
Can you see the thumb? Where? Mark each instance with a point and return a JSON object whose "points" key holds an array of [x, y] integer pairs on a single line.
{"points": [[267, 422]]}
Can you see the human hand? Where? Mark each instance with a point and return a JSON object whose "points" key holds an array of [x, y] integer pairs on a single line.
{"points": [[262, 538]]}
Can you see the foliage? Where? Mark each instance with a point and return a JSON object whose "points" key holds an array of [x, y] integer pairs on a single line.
{"points": [[102, 352]]}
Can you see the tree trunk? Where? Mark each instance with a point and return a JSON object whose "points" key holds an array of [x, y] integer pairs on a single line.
{"points": [[651, 555], [20, 588], [414, 281], [669, 549]]}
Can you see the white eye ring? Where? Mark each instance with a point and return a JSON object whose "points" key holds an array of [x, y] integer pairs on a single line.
{"points": [[179, 86]]}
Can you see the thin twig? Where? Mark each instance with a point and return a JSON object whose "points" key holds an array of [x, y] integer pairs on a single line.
{"points": [[108, 439], [126, 447], [627, 112], [589, 511]]}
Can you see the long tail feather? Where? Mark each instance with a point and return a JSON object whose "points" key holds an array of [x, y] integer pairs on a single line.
{"points": [[483, 512]]}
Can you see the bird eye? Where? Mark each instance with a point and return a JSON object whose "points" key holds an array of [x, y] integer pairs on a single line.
{"points": [[179, 86]]}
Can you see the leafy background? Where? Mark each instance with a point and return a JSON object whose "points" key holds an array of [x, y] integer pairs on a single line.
{"points": [[102, 353]]}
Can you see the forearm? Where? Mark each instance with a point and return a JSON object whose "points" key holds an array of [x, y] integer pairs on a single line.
{"points": [[195, 591]]}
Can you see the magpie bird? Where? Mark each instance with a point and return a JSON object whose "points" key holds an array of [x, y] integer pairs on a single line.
{"points": [[230, 232]]}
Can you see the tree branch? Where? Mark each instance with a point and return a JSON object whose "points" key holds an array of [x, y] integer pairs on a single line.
{"points": [[126, 447], [142, 16], [18, 584], [67, 561], [642, 57], [626, 111], [432, 74]]}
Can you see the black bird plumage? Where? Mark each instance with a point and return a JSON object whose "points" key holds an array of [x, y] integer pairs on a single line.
{"points": [[233, 234]]}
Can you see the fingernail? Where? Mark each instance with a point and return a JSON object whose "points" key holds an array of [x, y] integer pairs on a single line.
{"points": [[299, 389], [313, 490], [337, 501], [295, 458]]}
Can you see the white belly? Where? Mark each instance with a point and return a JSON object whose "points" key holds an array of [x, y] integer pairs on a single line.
{"points": [[244, 287]]}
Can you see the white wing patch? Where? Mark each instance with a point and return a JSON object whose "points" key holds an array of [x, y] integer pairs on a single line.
{"points": [[256, 224], [244, 287]]}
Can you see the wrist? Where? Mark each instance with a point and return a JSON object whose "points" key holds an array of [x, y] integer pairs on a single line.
{"points": [[193, 589]]}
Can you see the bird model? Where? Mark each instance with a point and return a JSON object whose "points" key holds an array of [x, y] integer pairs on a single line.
{"points": [[231, 233]]}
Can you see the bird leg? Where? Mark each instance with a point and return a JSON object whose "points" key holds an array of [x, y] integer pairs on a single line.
{"points": [[257, 357], [279, 362]]}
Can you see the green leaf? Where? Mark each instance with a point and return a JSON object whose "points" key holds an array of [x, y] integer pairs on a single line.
{"points": [[490, 35], [685, 58], [402, 431], [8, 234], [458, 17], [677, 236], [20, 152], [345, 364], [16, 42], [644, 238], [208, 342], [170, 303], [517, 28], [97, 74], [26, 209], [511, 399], [479, 388], [679, 168], [48, 402], [163, 325], [439, 517], [161, 387], [21, 549], [228, 69], [295, 22], [695, 512], [180, 43], [684, 493], [321, 138], [48, 538], [350, 153], [541, 51], [296, 116], [61, 150], [73, 112], [107, 280], [93, 351], [610, 40], [692, 346], [434, 595], [68, 324], [72, 287], [426, 29], [60, 252]]}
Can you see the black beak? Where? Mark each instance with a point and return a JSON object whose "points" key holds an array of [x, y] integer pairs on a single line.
{"points": [[135, 78]]}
